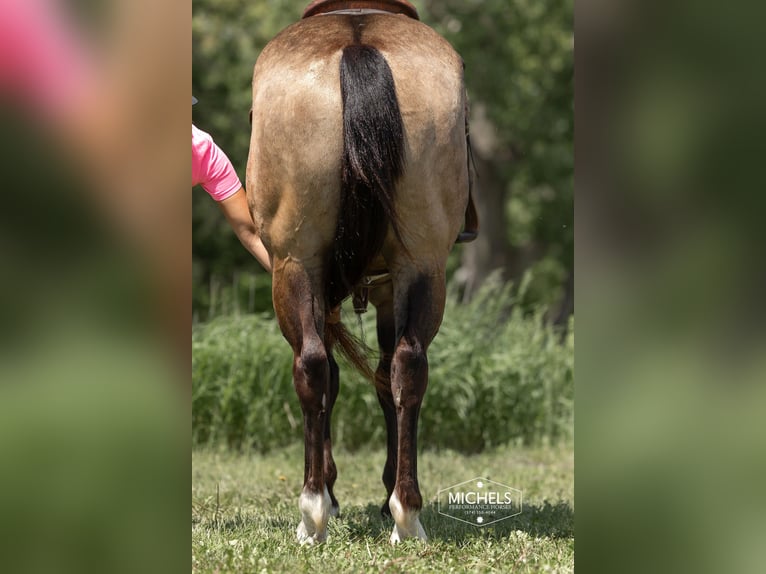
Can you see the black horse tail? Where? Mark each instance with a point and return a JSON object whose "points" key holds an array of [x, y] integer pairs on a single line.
{"points": [[373, 162]]}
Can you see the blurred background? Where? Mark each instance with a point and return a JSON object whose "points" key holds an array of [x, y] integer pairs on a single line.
{"points": [[671, 357], [95, 238]]}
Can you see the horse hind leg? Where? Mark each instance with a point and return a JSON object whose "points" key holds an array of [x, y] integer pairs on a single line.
{"points": [[383, 300], [418, 309], [330, 470], [300, 311]]}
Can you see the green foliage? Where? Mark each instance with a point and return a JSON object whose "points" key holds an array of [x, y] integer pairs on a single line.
{"points": [[247, 292], [496, 375], [519, 59], [242, 384]]}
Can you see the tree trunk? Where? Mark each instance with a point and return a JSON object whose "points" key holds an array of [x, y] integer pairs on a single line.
{"points": [[491, 250]]}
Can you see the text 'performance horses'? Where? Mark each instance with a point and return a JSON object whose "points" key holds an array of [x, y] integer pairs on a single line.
{"points": [[358, 166]]}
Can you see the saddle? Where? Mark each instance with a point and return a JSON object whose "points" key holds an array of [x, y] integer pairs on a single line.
{"points": [[393, 6]]}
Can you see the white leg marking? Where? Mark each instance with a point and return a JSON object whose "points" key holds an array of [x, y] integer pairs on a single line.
{"points": [[315, 511], [407, 522]]}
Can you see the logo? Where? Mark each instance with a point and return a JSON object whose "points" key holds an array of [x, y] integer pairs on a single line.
{"points": [[479, 501]]}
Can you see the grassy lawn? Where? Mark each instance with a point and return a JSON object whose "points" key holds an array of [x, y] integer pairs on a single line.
{"points": [[245, 511]]}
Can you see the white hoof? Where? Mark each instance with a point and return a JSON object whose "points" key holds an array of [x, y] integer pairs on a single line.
{"points": [[407, 522], [304, 537], [315, 512]]}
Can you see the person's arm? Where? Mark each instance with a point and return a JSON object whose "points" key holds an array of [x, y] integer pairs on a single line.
{"points": [[213, 170], [238, 215]]}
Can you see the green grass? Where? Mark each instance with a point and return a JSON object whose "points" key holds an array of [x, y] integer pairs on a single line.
{"points": [[244, 514]]}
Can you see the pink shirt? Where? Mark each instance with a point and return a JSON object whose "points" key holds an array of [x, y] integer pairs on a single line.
{"points": [[211, 168]]}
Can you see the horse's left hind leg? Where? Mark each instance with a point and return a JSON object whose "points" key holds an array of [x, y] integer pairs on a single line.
{"points": [[418, 309], [300, 311]]}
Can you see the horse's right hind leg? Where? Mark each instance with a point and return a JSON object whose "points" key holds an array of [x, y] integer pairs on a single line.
{"points": [[300, 311], [330, 470]]}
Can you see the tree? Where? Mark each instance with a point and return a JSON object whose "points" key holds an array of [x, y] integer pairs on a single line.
{"points": [[519, 74]]}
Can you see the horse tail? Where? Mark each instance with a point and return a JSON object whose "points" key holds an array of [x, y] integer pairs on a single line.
{"points": [[373, 162]]}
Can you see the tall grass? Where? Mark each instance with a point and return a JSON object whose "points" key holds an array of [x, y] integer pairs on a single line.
{"points": [[496, 376]]}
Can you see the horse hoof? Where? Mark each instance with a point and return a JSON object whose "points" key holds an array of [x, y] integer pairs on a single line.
{"points": [[398, 534], [406, 522], [304, 537], [315, 510]]}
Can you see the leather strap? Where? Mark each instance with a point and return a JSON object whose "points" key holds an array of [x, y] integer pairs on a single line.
{"points": [[471, 226]]}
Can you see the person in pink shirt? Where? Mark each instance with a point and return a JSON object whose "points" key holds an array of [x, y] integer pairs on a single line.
{"points": [[213, 171]]}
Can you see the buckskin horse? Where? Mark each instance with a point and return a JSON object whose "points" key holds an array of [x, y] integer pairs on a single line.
{"points": [[358, 181]]}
